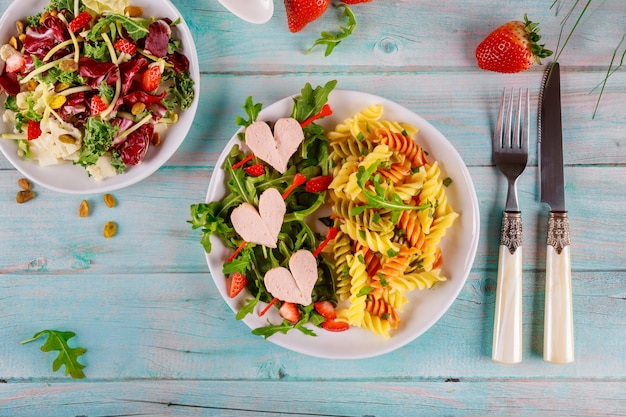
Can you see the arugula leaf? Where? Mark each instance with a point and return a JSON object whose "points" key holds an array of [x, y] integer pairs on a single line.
{"points": [[332, 40], [98, 139], [252, 110], [248, 308], [310, 101], [284, 327], [57, 340], [205, 216], [378, 198], [136, 28]]}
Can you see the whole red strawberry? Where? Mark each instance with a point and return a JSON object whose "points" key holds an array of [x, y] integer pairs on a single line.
{"points": [[511, 48], [302, 12]]}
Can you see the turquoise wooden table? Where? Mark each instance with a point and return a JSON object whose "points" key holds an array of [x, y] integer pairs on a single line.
{"points": [[160, 339]]}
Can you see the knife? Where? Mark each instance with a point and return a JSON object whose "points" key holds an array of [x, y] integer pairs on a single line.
{"points": [[558, 338]]}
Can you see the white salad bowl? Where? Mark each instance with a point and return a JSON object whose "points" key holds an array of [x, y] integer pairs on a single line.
{"points": [[73, 179]]}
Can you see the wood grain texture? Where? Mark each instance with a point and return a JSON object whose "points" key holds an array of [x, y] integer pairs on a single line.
{"points": [[284, 398], [160, 339]]}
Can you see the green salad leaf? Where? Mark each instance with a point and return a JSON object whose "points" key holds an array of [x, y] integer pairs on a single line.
{"points": [[136, 28], [98, 139], [311, 101], [252, 260], [378, 198], [331, 40], [68, 356]]}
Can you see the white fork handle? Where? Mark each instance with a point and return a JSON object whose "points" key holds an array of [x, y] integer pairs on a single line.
{"points": [[558, 337], [507, 326]]}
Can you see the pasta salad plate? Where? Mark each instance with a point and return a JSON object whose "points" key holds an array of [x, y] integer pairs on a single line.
{"points": [[97, 95], [423, 306]]}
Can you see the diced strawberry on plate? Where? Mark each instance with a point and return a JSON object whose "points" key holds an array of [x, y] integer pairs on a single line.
{"points": [[290, 312]]}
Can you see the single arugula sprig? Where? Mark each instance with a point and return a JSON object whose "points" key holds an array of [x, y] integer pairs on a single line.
{"points": [[311, 101], [331, 40], [57, 340], [286, 326], [252, 110], [378, 198]]}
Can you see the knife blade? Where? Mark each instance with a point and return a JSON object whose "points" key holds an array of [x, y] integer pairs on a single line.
{"points": [[558, 338]]}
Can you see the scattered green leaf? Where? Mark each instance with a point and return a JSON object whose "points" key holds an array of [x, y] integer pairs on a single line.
{"points": [[57, 340], [332, 40]]}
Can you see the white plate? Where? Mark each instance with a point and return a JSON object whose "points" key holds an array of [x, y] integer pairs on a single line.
{"points": [[73, 179], [425, 307]]}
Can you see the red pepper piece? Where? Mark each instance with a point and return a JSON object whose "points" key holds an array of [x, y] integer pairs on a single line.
{"points": [[326, 111]]}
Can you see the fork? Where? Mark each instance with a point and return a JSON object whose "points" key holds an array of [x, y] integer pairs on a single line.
{"points": [[510, 153]]}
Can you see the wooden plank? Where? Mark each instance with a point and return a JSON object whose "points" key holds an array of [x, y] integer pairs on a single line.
{"points": [[154, 236], [399, 35], [176, 326], [464, 115], [316, 398]]}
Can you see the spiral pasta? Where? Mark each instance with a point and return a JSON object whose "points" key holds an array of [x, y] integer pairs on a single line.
{"points": [[342, 249], [391, 223], [358, 282]]}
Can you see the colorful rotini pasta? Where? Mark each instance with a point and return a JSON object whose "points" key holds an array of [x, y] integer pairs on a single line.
{"points": [[391, 207]]}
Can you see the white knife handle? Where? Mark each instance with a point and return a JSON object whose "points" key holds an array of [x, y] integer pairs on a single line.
{"points": [[558, 338], [507, 326]]}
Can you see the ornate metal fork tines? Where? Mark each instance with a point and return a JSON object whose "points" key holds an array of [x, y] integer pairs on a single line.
{"points": [[510, 154]]}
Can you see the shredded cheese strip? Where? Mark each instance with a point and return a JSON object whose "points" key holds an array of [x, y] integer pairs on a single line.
{"points": [[58, 48], [118, 82], [42, 69], [15, 136], [73, 40], [136, 126], [73, 90]]}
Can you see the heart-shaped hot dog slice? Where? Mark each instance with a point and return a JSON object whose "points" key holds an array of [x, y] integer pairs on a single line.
{"points": [[295, 284], [260, 226], [275, 148]]}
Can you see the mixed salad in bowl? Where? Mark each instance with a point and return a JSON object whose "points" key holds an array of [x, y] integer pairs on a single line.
{"points": [[93, 84]]}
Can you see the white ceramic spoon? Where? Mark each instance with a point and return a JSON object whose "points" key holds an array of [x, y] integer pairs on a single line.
{"points": [[253, 11]]}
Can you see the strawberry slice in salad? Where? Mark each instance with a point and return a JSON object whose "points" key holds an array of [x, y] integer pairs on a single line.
{"points": [[98, 95]]}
